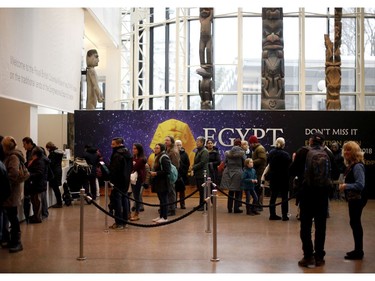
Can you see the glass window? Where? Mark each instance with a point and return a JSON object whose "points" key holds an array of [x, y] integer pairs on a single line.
{"points": [[252, 54], [193, 59], [226, 41], [347, 80], [172, 59], [225, 78], [194, 27], [225, 54], [225, 102], [251, 102], [252, 35], [291, 102], [370, 54], [315, 28], [158, 103], [194, 102], [370, 103], [159, 60], [347, 102]]}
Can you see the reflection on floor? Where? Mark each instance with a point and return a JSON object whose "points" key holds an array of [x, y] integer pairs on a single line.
{"points": [[245, 244]]}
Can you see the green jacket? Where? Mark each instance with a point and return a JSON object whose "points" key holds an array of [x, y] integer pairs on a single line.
{"points": [[201, 163]]}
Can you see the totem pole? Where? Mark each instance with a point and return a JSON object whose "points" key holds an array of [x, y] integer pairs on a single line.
{"points": [[273, 70], [205, 57], [333, 65]]}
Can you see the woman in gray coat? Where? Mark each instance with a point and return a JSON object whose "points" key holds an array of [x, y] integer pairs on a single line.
{"points": [[231, 180], [13, 157]]}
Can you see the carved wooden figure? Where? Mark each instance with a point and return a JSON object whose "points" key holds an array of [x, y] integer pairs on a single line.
{"points": [[273, 70], [94, 94], [333, 65], [205, 57]]}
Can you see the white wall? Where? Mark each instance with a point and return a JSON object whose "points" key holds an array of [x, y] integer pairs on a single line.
{"points": [[16, 120], [40, 56], [52, 127]]}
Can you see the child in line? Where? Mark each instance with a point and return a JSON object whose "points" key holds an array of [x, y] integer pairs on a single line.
{"points": [[248, 182]]}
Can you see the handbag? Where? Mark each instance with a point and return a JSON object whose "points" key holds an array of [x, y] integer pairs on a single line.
{"points": [[265, 179], [133, 177], [353, 195], [221, 167]]}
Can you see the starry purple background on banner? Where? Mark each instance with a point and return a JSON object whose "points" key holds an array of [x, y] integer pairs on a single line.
{"points": [[99, 127]]}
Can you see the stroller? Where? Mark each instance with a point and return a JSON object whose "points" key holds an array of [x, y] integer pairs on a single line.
{"points": [[76, 178]]}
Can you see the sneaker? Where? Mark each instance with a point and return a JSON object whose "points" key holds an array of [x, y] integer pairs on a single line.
{"points": [[306, 262], [161, 220], [156, 219]]}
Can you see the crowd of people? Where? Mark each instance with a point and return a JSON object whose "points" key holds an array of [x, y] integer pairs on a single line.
{"points": [[244, 167]]}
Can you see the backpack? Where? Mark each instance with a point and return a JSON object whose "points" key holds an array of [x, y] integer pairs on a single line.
{"points": [[317, 168], [173, 175]]}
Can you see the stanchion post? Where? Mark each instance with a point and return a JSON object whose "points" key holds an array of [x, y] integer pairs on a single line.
{"points": [[82, 198], [205, 190], [106, 205], [208, 204], [214, 227]]}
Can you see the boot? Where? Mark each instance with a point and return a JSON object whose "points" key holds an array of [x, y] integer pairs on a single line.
{"points": [[134, 216], [16, 244], [5, 241], [249, 211]]}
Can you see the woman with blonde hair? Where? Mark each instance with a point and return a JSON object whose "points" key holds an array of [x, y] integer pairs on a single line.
{"points": [[353, 187]]}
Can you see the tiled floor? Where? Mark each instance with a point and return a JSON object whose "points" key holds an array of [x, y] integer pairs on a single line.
{"points": [[245, 244]]}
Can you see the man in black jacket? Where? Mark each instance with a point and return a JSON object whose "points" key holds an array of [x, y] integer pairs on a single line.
{"points": [[120, 169], [313, 203]]}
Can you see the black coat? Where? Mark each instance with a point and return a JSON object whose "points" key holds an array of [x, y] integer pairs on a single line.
{"points": [[160, 183], [37, 182], [120, 168], [92, 158], [56, 157], [279, 161]]}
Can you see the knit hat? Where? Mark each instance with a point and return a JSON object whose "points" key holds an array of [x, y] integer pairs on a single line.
{"points": [[253, 139]]}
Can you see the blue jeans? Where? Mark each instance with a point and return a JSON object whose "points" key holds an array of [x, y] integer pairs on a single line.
{"points": [[120, 206], [251, 193]]}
